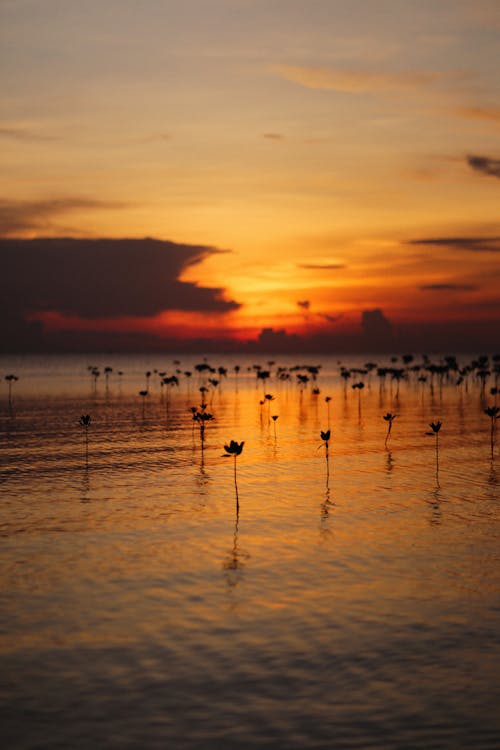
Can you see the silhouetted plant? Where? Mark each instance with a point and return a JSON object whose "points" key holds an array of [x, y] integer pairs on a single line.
{"points": [[143, 395], [302, 381], [274, 417], [493, 413], [234, 449], [390, 419], [10, 380], [325, 437], [435, 427], [84, 421], [327, 402], [201, 416], [107, 371]]}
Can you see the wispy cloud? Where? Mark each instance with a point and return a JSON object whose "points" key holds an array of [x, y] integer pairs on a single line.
{"points": [[355, 81], [321, 266], [488, 114], [274, 136], [20, 217], [153, 138], [25, 135], [447, 287], [470, 244], [331, 318], [484, 164]]}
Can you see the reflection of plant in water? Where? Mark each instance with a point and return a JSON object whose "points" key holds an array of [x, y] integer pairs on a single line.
{"points": [[494, 413], [234, 449], [234, 562], [84, 421], [390, 419]]}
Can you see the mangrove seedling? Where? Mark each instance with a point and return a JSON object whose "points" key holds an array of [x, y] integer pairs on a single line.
{"points": [[202, 417], [389, 418], [327, 402], [234, 449], [143, 395], [435, 427], [10, 380], [84, 421], [493, 413], [325, 437], [274, 417]]}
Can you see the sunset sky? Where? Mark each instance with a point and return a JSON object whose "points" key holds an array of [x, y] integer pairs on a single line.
{"points": [[310, 162]]}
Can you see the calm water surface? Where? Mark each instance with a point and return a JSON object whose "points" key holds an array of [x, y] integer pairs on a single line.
{"points": [[354, 608]]}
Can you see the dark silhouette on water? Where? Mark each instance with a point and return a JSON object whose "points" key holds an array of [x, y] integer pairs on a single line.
{"points": [[493, 413], [84, 421], [11, 379], [234, 449], [435, 427], [390, 419]]}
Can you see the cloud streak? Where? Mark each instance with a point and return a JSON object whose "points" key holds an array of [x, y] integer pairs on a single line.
{"points": [[484, 164], [22, 134], [447, 287], [469, 244], [355, 81], [321, 266], [486, 114], [20, 217]]}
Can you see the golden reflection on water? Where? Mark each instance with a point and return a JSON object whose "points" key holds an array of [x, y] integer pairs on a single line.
{"points": [[368, 578]]}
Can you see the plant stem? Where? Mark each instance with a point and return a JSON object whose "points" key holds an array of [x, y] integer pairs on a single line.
{"points": [[236, 487]]}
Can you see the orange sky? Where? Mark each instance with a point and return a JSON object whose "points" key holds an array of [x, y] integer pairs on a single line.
{"points": [[346, 155]]}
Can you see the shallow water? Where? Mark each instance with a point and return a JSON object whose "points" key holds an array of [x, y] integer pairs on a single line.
{"points": [[351, 608]]}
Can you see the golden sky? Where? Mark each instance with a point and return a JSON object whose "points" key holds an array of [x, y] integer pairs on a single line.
{"points": [[345, 153]]}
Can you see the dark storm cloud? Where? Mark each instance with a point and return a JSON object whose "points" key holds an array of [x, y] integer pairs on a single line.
{"points": [[321, 266], [471, 244], [484, 164], [25, 216], [103, 278], [447, 287]]}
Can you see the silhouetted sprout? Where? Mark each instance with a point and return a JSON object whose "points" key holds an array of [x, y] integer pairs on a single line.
{"points": [[10, 380], [84, 421], [202, 417], [107, 371], [325, 437], [316, 391], [143, 395], [302, 381], [274, 417], [234, 449], [435, 427], [493, 413], [390, 419], [327, 402]]}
